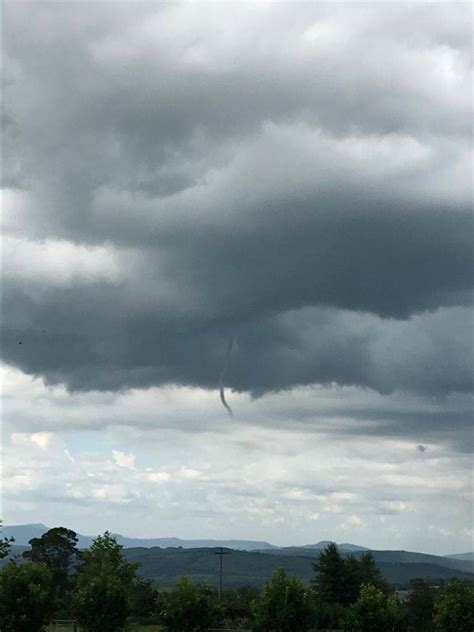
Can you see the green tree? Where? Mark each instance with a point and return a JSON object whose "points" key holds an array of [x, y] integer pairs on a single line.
{"points": [[330, 585], [25, 597], [373, 611], [284, 605], [104, 587], [143, 605], [454, 612], [369, 573], [57, 549], [339, 579], [419, 605], [5, 544], [237, 607], [188, 608]]}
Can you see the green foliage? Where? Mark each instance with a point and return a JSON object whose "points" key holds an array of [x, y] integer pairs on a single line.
{"points": [[339, 579], [419, 605], [104, 587], [237, 607], [25, 597], [5, 544], [56, 549], [143, 605], [373, 611], [329, 616], [188, 608], [283, 606], [329, 584], [454, 612], [369, 573]]}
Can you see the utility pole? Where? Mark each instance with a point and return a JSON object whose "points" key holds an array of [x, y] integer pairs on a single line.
{"points": [[221, 552]]}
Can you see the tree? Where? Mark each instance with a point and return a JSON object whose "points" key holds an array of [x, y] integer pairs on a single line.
{"points": [[25, 597], [369, 573], [454, 612], [419, 605], [283, 606], [373, 611], [5, 544], [57, 549], [143, 605], [189, 608], [104, 587], [237, 607], [339, 579], [329, 584]]}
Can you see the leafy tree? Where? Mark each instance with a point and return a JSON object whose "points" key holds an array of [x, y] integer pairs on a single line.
{"points": [[237, 607], [189, 608], [454, 612], [143, 605], [57, 549], [283, 606], [25, 597], [420, 604], [5, 544], [104, 587], [373, 611]]}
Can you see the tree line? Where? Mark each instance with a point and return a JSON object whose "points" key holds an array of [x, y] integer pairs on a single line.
{"points": [[103, 592]]}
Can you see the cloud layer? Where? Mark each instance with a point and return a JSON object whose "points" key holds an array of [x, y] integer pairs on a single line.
{"points": [[290, 468], [299, 180]]}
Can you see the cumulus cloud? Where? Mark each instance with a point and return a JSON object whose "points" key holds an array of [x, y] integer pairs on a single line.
{"points": [[297, 179], [169, 474]]}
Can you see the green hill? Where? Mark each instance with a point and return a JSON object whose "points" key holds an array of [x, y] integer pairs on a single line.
{"points": [[243, 568]]}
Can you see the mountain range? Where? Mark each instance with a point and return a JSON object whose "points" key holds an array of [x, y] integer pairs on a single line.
{"points": [[165, 560], [26, 532]]}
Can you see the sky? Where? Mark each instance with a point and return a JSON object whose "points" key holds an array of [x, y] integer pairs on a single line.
{"points": [[294, 178]]}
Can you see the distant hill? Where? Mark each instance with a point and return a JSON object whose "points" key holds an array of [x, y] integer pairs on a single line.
{"points": [[385, 557], [252, 568], [344, 546], [24, 533], [243, 568], [462, 556]]}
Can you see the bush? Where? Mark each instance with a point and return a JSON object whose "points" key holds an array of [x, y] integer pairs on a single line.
{"points": [[283, 606], [373, 611], [104, 587], [25, 597], [454, 611], [188, 608]]}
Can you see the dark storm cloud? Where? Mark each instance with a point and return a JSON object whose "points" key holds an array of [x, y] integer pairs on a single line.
{"points": [[297, 179]]}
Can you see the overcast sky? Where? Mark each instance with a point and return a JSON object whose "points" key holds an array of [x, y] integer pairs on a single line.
{"points": [[292, 177]]}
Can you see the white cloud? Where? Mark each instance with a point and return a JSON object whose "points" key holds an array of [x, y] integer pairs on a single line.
{"points": [[124, 460]]}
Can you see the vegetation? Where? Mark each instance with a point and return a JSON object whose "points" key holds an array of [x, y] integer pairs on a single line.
{"points": [[25, 597], [283, 606], [100, 588], [57, 549], [339, 579], [373, 611], [454, 611], [189, 608], [104, 587], [419, 606], [5, 544]]}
